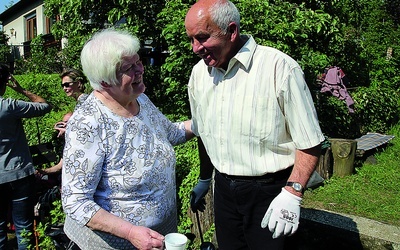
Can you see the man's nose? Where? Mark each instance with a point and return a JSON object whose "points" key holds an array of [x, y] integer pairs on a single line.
{"points": [[197, 46]]}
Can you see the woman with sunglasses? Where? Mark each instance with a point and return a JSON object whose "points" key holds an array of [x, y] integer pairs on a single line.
{"points": [[73, 82]]}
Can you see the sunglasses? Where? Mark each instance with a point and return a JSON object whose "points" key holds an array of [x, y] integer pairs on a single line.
{"points": [[67, 84]]}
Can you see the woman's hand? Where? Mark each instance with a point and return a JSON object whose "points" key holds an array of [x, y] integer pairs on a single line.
{"points": [[60, 127], [145, 239]]}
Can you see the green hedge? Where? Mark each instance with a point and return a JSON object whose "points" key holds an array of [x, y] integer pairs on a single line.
{"points": [[47, 86], [376, 110]]}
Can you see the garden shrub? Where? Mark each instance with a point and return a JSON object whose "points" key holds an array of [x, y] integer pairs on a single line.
{"points": [[47, 86], [376, 110]]}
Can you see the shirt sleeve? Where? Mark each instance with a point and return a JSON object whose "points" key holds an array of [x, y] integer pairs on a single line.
{"points": [[83, 158], [22, 109], [300, 113]]}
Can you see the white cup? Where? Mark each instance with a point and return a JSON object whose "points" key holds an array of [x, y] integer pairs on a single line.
{"points": [[175, 241]]}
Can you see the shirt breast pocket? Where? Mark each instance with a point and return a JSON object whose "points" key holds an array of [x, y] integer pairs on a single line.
{"points": [[259, 118]]}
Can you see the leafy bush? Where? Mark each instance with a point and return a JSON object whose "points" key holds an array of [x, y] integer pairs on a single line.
{"points": [[48, 87], [335, 119], [376, 110]]}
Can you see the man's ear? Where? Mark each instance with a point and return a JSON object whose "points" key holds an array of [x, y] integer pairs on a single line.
{"points": [[233, 30]]}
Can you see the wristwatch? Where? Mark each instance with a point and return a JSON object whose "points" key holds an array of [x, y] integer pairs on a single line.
{"points": [[296, 186]]}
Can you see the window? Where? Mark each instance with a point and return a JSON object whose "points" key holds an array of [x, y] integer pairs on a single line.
{"points": [[50, 22], [31, 30]]}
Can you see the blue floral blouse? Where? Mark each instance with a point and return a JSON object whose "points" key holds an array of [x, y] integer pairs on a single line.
{"points": [[123, 165]]}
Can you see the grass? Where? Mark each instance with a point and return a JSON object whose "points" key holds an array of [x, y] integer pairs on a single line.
{"points": [[372, 192]]}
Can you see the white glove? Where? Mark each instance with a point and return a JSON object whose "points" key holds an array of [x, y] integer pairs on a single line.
{"points": [[283, 214]]}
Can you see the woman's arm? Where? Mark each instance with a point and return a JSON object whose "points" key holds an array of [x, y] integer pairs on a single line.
{"points": [[140, 237], [52, 170]]}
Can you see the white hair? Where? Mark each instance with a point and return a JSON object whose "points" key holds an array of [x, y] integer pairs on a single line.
{"points": [[224, 12], [102, 55]]}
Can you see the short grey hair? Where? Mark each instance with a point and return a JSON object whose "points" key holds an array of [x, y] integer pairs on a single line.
{"points": [[102, 55], [224, 12]]}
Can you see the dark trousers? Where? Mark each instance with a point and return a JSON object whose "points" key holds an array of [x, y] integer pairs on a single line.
{"points": [[240, 204], [20, 194]]}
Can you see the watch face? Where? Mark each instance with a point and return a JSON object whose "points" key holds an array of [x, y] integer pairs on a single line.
{"points": [[297, 186]]}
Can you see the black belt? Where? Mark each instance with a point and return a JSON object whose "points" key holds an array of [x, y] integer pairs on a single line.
{"points": [[268, 178]]}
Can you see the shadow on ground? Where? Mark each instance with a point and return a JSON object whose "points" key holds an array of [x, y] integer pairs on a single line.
{"points": [[316, 236]]}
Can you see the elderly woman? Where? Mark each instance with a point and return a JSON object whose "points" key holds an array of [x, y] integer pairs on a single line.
{"points": [[118, 175]]}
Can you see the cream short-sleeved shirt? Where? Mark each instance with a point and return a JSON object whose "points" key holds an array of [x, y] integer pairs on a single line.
{"points": [[253, 116]]}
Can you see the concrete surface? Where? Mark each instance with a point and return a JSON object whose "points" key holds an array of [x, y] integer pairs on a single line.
{"points": [[325, 230]]}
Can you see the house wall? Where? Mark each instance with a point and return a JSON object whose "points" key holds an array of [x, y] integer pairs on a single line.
{"points": [[18, 23]]}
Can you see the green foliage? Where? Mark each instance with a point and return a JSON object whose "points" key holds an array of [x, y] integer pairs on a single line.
{"points": [[335, 119], [81, 18], [294, 29], [48, 87], [26, 237], [178, 65], [372, 192], [41, 60], [376, 110], [56, 217], [45, 242], [4, 48], [57, 214], [187, 167]]}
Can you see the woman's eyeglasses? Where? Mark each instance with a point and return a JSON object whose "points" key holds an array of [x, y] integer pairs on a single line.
{"points": [[66, 84]]}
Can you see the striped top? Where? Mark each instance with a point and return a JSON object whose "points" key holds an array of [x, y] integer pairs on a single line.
{"points": [[253, 116]]}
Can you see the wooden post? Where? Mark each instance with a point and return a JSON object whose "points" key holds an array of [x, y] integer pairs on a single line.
{"points": [[206, 217], [343, 152], [324, 167]]}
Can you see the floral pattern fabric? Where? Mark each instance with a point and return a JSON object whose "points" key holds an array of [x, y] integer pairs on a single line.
{"points": [[123, 165]]}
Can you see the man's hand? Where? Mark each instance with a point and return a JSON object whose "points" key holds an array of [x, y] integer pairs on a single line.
{"points": [[13, 83], [283, 214], [197, 201]]}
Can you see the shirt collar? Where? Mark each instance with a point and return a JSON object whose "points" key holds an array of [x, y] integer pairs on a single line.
{"points": [[243, 56]]}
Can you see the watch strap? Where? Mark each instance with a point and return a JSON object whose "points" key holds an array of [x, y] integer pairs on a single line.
{"points": [[296, 186]]}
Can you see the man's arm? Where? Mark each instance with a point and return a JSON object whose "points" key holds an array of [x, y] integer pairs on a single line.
{"points": [[304, 165], [206, 167], [14, 84], [197, 201], [283, 214]]}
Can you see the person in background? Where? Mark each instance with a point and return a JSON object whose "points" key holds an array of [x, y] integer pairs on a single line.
{"points": [[17, 181], [255, 115], [74, 82], [60, 127], [118, 173]]}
